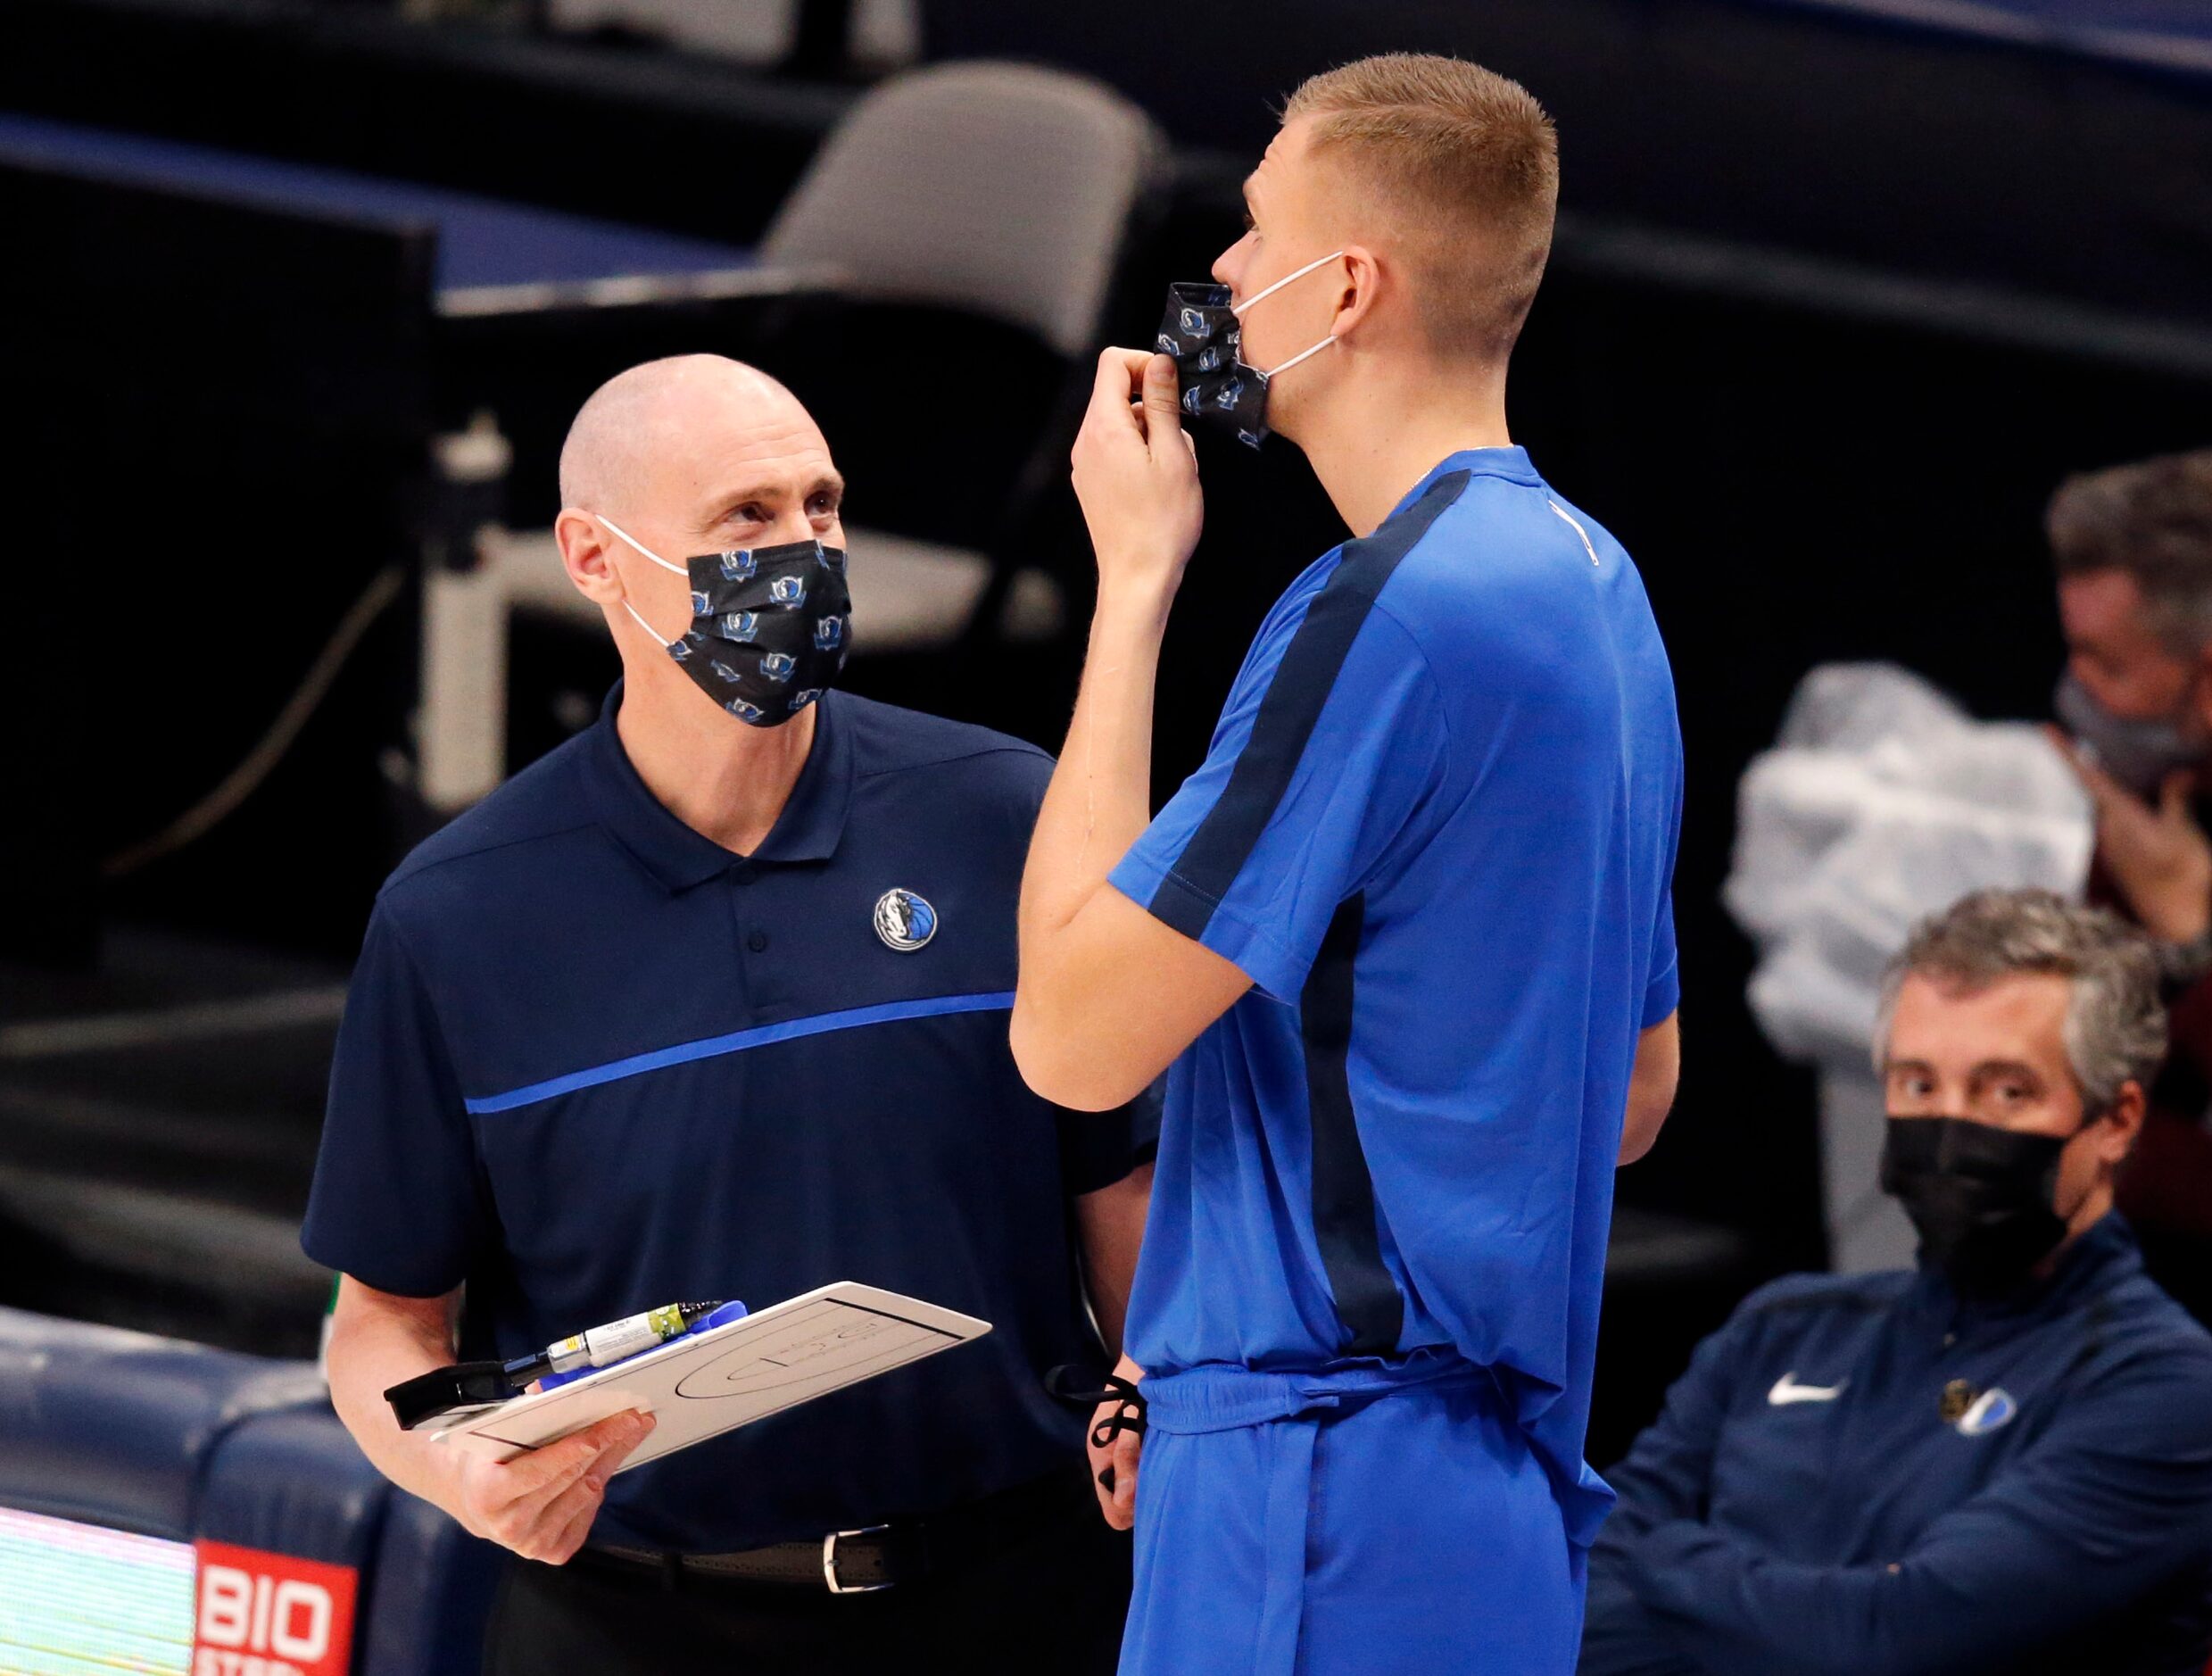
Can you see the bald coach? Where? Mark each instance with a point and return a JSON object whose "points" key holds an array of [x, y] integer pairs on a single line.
{"points": [[711, 1002]]}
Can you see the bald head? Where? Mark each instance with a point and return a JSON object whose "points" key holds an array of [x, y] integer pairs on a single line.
{"points": [[652, 430], [694, 454]]}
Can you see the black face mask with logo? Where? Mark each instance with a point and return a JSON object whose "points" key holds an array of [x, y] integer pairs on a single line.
{"points": [[770, 625], [1205, 335], [1981, 1198]]}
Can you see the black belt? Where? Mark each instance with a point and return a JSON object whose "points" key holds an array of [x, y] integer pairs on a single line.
{"points": [[875, 1556]]}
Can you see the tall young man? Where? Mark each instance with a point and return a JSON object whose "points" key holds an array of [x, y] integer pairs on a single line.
{"points": [[1406, 937]]}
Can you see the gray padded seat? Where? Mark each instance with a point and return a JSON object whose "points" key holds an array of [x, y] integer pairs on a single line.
{"points": [[1002, 190]]}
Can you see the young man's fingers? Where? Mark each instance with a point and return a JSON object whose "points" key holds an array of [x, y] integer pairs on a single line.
{"points": [[1163, 400], [1118, 383], [1128, 1448], [1099, 1488]]}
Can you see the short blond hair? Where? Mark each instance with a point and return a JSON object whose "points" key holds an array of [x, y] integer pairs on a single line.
{"points": [[1465, 164]]}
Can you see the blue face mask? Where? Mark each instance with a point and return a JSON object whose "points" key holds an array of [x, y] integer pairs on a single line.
{"points": [[2138, 754], [1205, 337], [770, 625]]}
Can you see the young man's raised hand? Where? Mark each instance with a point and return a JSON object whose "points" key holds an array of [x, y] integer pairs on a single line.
{"points": [[1137, 475]]}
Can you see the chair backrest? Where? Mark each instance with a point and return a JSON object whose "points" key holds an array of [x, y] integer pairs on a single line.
{"points": [[1000, 189]]}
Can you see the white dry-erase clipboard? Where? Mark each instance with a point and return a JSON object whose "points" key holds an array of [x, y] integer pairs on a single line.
{"points": [[730, 1376]]}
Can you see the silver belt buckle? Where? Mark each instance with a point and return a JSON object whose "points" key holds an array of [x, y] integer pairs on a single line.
{"points": [[829, 1562]]}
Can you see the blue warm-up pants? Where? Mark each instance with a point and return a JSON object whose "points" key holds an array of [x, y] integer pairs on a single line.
{"points": [[1371, 1521]]}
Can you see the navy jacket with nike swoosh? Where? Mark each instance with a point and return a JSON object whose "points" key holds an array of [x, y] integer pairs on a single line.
{"points": [[1872, 1474]]}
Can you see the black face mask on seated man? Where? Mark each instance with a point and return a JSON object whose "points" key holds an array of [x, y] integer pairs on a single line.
{"points": [[770, 625], [1981, 1198]]}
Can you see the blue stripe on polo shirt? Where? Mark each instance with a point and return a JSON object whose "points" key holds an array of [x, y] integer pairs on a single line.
{"points": [[738, 1041]]}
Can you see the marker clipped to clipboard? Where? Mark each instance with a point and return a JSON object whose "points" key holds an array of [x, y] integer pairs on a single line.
{"points": [[710, 1377]]}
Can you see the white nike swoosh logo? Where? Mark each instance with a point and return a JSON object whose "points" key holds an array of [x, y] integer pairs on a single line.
{"points": [[1787, 1390]]}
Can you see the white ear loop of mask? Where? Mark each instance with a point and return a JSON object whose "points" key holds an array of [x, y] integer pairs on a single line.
{"points": [[634, 615], [1261, 296]]}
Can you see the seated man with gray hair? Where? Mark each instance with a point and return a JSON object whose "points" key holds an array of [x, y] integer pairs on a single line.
{"points": [[2000, 1463]]}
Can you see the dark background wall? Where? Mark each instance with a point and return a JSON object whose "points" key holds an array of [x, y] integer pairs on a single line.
{"points": [[1822, 128]]}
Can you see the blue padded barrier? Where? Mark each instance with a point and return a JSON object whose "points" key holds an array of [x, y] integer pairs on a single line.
{"points": [[179, 1440], [294, 1482], [429, 1596], [115, 1428]]}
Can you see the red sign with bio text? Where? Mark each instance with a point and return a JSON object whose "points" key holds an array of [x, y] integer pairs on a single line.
{"points": [[257, 1613]]}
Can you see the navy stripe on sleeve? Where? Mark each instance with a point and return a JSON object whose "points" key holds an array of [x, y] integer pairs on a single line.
{"points": [[1201, 875], [1343, 1191]]}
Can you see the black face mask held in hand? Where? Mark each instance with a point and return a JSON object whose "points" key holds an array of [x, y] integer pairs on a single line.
{"points": [[1205, 337], [770, 625], [1980, 1196]]}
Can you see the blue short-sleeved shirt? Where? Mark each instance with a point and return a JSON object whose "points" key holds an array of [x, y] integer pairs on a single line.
{"points": [[591, 1063], [1436, 828]]}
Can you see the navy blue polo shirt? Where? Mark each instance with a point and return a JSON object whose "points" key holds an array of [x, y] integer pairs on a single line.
{"points": [[1437, 828], [592, 1062]]}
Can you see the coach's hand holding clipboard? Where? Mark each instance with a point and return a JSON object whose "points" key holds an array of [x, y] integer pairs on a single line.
{"points": [[529, 1471], [726, 1370]]}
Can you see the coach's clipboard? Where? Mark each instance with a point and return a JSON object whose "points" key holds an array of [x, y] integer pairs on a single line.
{"points": [[711, 1383]]}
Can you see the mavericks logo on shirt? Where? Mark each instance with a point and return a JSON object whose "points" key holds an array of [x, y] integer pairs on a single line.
{"points": [[904, 921], [1986, 1412]]}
